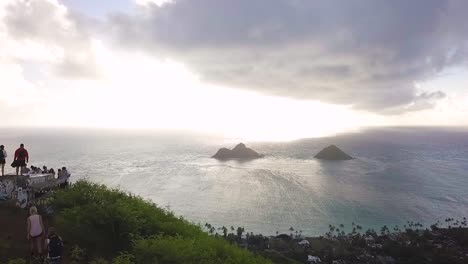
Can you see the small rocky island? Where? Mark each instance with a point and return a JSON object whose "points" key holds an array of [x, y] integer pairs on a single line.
{"points": [[239, 152], [332, 152]]}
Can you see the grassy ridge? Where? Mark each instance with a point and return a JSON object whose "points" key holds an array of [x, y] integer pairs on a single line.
{"points": [[108, 222]]}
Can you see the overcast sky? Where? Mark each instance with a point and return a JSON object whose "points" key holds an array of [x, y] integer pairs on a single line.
{"points": [[259, 69]]}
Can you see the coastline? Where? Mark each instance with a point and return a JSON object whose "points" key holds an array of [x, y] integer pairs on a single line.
{"points": [[84, 212]]}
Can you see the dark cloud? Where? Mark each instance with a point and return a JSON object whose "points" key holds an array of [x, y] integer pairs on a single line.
{"points": [[421, 101], [49, 23], [362, 53]]}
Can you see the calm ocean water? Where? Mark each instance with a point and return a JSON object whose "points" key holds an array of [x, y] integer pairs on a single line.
{"points": [[399, 174]]}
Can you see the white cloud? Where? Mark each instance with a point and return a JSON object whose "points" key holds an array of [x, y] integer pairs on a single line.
{"points": [[43, 45], [45, 32], [154, 2]]}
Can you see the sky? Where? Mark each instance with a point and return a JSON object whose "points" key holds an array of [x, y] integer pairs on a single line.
{"points": [[253, 69]]}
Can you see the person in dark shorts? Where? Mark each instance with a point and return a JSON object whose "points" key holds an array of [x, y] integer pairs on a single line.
{"points": [[21, 158], [54, 247], [3, 156]]}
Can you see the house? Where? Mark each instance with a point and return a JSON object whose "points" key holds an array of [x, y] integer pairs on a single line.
{"points": [[313, 259]]}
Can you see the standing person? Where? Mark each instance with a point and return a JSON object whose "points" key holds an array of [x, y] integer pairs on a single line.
{"points": [[64, 175], [65, 172], [35, 230], [3, 155], [54, 247], [21, 158]]}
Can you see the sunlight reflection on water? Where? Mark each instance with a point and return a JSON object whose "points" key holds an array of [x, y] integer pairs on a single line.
{"points": [[396, 177]]}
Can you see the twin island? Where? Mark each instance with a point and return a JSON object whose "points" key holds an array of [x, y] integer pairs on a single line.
{"points": [[242, 152]]}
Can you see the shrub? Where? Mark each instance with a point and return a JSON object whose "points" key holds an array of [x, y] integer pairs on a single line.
{"points": [[17, 261], [124, 259], [99, 261], [164, 249], [106, 222]]}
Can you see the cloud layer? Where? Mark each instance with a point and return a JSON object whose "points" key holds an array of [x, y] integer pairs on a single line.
{"points": [[44, 31], [362, 53]]}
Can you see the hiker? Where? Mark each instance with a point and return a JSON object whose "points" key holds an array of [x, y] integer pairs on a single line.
{"points": [[3, 156], [54, 247], [35, 230], [21, 158], [65, 172], [44, 169]]}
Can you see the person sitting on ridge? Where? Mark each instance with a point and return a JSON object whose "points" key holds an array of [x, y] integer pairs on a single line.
{"points": [[25, 170]]}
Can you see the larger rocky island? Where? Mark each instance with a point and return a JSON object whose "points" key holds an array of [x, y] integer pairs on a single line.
{"points": [[332, 152], [239, 152]]}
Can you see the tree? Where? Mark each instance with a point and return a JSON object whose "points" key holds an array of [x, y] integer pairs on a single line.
{"points": [[240, 231]]}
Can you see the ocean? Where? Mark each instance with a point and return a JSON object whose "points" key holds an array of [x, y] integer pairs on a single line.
{"points": [[399, 175]]}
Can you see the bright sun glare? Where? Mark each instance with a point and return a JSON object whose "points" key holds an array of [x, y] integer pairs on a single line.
{"points": [[146, 93]]}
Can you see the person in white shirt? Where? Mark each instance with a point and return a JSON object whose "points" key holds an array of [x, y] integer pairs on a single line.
{"points": [[3, 156]]}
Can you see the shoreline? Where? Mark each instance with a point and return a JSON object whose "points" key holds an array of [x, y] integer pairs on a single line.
{"points": [[446, 239]]}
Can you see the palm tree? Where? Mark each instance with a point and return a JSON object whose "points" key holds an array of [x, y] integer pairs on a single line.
{"points": [[240, 230], [225, 231]]}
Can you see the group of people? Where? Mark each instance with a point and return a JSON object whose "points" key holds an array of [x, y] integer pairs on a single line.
{"points": [[34, 169], [40, 241], [51, 243], [20, 159], [63, 172]]}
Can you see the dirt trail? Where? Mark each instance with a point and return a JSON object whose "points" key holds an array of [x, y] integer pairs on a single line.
{"points": [[13, 242]]}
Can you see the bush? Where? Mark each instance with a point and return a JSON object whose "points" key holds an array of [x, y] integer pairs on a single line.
{"points": [[99, 261], [124, 259], [17, 261], [163, 249], [106, 222]]}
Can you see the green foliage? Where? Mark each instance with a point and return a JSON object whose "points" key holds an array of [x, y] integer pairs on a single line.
{"points": [[77, 254], [124, 259], [106, 222], [17, 261], [99, 261], [5, 246], [209, 250]]}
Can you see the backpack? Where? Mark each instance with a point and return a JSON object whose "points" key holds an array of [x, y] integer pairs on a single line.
{"points": [[2, 155], [55, 247], [22, 154]]}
